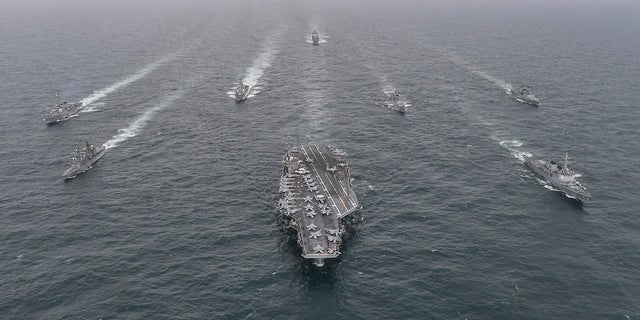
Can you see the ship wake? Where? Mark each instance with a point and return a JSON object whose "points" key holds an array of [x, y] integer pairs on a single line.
{"points": [[512, 146], [97, 95], [92, 108], [508, 88], [260, 64], [137, 125]]}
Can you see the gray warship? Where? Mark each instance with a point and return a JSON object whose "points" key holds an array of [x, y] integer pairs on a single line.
{"points": [[559, 176], [397, 102], [523, 94], [315, 37], [242, 91], [62, 111], [315, 194], [83, 158]]}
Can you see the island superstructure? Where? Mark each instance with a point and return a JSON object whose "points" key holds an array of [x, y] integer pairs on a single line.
{"points": [[315, 195]]}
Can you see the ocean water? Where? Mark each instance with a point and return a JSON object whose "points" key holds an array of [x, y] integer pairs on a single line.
{"points": [[178, 220]]}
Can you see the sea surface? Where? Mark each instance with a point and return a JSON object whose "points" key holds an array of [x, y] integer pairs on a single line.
{"points": [[178, 220]]}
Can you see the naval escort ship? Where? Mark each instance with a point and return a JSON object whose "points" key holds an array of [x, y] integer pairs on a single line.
{"points": [[62, 111], [242, 91], [524, 95], [315, 194], [397, 103], [559, 176], [315, 37], [83, 158]]}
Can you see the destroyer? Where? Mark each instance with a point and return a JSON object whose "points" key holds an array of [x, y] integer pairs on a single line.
{"points": [[559, 176], [62, 111], [315, 194], [315, 37], [242, 91], [82, 159], [524, 95], [397, 102]]}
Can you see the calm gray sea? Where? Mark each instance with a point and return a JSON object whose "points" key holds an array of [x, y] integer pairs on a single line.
{"points": [[178, 219]]}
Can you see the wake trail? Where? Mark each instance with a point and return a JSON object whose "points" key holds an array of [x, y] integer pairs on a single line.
{"points": [[260, 64], [387, 86], [512, 146], [97, 95], [137, 125], [92, 108], [134, 128], [507, 87], [499, 82]]}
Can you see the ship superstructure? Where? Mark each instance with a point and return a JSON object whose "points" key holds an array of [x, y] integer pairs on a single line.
{"points": [[83, 158], [524, 95], [62, 111], [559, 176], [315, 195], [242, 91], [397, 102]]}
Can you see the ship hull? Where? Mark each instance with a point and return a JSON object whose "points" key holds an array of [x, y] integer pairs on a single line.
{"points": [[315, 196], [53, 119], [532, 102], [537, 167], [75, 171], [242, 97]]}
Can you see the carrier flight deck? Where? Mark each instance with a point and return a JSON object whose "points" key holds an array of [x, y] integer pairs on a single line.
{"points": [[316, 193]]}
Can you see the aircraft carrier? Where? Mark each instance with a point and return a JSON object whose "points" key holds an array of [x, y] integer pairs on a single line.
{"points": [[315, 194]]}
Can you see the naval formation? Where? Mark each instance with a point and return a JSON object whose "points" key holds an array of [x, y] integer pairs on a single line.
{"points": [[315, 189]]}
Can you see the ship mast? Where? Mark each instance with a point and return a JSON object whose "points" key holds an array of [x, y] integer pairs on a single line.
{"points": [[565, 167]]}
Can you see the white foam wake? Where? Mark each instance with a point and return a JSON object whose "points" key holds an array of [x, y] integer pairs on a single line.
{"points": [[511, 145], [255, 72], [499, 82], [258, 67], [467, 65], [93, 107], [134, 128], [97, 95], [260, 64], [323, 39]]}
